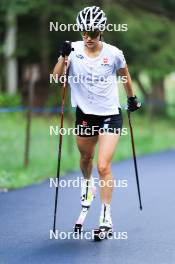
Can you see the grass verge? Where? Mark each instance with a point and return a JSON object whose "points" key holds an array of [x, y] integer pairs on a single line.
{"points": [[151, 135]]}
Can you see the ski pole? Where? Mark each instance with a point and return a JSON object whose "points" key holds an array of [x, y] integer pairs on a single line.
{"points": [[134, 158], [60, 142]]}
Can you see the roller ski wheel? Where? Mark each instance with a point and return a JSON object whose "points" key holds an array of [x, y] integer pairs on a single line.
{"points": [[102, 233], [78, 228]]}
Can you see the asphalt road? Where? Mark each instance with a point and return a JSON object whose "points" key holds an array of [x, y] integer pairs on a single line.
{"points": [[26, 218]]}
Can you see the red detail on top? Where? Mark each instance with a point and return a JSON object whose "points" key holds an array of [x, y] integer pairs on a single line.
{"points": [[84, 123], [105, 60]]}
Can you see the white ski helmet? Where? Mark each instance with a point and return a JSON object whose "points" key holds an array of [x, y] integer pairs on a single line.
{"points": [[91, 18]]}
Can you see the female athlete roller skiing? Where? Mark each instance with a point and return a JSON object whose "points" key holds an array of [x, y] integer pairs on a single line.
{"points": [[98, 113]]}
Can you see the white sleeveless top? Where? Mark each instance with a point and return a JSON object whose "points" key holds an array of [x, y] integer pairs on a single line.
{"points": [[93, 81]]}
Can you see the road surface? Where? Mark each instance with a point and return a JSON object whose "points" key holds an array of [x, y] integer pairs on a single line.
{"points": [[26, 218]]}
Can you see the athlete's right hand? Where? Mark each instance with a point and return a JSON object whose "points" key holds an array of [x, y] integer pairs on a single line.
{"points": [[66, 48], [133, 104]]}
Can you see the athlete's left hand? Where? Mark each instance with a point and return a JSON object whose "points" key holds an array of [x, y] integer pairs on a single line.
{"points": [[133, 104], [66, 48]]}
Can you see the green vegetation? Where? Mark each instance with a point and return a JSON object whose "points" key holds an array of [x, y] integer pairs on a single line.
{"points": [[150, 136], [148, 46], [7, 100]]}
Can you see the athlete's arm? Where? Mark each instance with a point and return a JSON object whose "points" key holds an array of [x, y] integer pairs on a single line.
{"points": [[65, 51], [123, 72], [59, 67], [132, 103]]}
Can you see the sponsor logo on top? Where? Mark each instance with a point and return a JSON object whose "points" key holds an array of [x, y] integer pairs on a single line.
{"points": [[80, 56], [84, 123], [105, 61]]}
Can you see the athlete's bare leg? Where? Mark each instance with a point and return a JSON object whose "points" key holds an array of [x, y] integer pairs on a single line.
{"points": [[107, 146], [86, 146]]}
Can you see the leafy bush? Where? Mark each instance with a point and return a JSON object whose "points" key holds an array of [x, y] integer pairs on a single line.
{"points": [[7, 100]]}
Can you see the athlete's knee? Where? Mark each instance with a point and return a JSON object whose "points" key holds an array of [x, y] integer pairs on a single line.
{"points": [[86, 158], [104, 168]]}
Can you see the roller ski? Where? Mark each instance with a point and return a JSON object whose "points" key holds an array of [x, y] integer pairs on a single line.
{"points": [[88, 193], [78, 228], [105, 229], [102, 233]]}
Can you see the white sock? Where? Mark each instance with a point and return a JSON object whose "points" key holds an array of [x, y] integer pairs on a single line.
{"points": [[105, 210], [86, 183]]}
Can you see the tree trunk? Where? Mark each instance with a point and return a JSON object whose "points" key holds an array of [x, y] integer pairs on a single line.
{"points": [[157, 98], [42, 86], [44, 46], [10, 47], [142, 88]]}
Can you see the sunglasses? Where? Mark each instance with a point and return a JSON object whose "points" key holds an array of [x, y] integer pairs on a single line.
{"points": [[91, 34]]}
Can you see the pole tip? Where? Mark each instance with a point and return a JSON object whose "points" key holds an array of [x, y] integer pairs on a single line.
{"points": [[140, 208]]}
